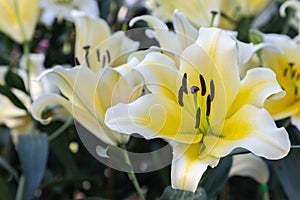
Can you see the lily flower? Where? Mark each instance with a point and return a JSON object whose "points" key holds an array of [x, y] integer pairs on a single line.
{"points": [[203, 109], [251, 166], [88, 100], [16, 118], [197, 12], [18, 19], [96, 47], [62, 9], [286, 66], [184, 33]]}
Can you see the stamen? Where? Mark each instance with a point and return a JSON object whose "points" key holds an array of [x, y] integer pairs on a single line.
{"points": [[203, 86], [198, 112], [87, 48], [293, 73], [194, 89], [103, 61], [298, 77], [212, 90], [77, 61], [98, 55], [296, 91], [208, 104], [184, 83], [291, 64], [108, 56], [285, 72], [180, 96]]}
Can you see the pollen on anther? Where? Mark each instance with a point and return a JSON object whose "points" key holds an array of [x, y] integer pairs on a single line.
{"points": [[208, 105], [98, 55], [296, 91], [77, 61], [285, 72], [198, 112], [180, 96], [184, 83], [212, 90], [108, 56], [203, 86], [103, 61]]}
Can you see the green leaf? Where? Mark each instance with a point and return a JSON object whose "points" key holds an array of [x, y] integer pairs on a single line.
{"points": [[4, 190], [104, 8], [15, 81], [173, 194], [5, 90], [92, 198], [33, 153], [215, 178], [5, 165], [287, 170]]}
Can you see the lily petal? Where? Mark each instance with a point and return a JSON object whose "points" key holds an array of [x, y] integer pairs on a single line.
{"points": [[154, 68], [251, 128], [258, 85], [251, 166], [83, 117], [141, 117], [187, 169]]}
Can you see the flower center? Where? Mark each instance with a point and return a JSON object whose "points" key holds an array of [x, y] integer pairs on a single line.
{"points": [[202, 102], [293, 75]]}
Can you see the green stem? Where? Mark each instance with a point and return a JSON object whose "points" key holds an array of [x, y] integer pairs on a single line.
{"points": [[131, 175], [61, 129], [26, 51], [265, 192], [20, 190]]}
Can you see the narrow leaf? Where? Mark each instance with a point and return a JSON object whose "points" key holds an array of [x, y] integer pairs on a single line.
{"points": [[173, 194], [33, 152]]}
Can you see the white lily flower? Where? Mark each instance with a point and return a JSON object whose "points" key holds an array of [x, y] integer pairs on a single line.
{"points": [[105, 49], [13, 117], [204, 108], [87, 95], [18, 19]]}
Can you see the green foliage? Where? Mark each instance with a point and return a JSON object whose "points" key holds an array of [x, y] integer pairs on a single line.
{"points": [[33, 154], [173, 194]]}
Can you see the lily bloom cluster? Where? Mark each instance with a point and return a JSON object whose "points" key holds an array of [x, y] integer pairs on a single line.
{"points": [[198, 87], [196, 99]]}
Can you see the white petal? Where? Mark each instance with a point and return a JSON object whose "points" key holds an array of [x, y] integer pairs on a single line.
{"points": [[251, 128], [251, 166], [187, 169]]}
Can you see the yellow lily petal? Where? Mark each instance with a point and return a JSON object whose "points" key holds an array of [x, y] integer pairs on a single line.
{"points": [[283, 108], [18, 19], [141, 117], [154, 67], [251, 128], [114, 87], [258, 85], [214, 55], [187, 169], [251, 166], [73, 86], [104, 49], [89, 32], [83, 117]]}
